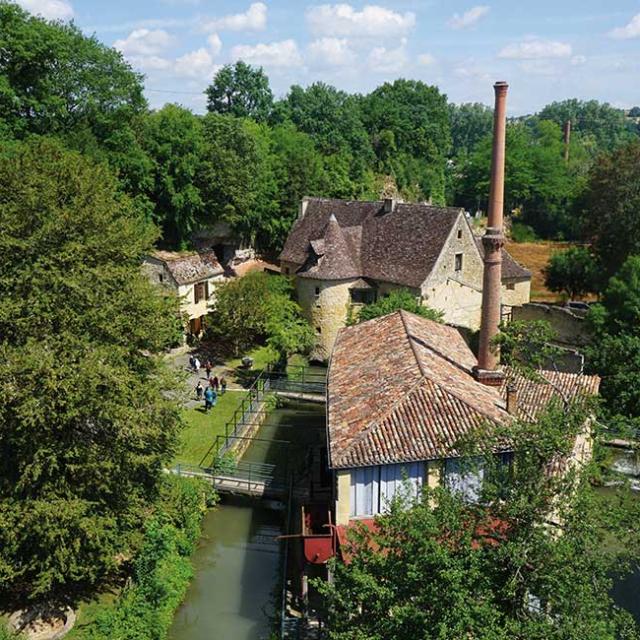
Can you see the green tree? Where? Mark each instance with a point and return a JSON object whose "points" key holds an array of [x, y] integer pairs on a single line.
{"points": [[605, 125], [397, 299], [174, 140], [470, 123], [240, 90], [259, 308], [56, 81], [610, 207], [439, 567], [86, 420], [414, 117], [573, 272]]}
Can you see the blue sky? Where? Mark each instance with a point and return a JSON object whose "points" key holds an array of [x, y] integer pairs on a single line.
{"points": [[547, 50]]}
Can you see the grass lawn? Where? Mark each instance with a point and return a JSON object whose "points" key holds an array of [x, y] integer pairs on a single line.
{"points": [[202, 428], [88, 611]]}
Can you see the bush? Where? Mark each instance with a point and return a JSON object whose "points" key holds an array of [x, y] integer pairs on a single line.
{"points": [[398, 299], [162, 569], [574, 272], [523, 233]]}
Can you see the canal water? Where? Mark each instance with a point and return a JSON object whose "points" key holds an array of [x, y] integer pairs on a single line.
{"points": [[237, 564]]}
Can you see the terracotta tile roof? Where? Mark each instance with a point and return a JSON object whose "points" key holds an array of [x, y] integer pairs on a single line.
{"points": [[399, 247], [511, 270], [401, 389], [190, 267]]}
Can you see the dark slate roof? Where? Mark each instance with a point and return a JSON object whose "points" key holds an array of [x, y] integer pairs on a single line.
{"points": [[400, 247], [401, 389], [190, 267], [511, 270]]}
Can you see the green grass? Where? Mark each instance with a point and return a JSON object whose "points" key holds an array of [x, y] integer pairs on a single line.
{"points": [[262, 356], [88, 611], [201, 428]]}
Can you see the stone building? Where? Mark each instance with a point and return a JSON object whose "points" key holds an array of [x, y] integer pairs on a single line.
{"points": [[402, 390], [347, 253], [193, 276]]}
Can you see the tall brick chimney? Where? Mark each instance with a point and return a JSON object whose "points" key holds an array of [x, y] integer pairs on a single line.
{"points": [[487, 370], [567, 139]]}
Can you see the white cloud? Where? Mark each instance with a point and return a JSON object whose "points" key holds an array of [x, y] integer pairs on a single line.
{"points": [[383, 60], [215, 44], [50, 9], [195, 64], [468, 18], [150, 63], [536, 49], [332, 51], [253, 19], [344, 20], [426, 59], [144, 42], [630, 30], [274, 54]]}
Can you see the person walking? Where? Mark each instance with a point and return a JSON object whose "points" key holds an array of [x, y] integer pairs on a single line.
{"points": [[196, 364], [199, 390], [215, 383], [208, 368], [192, 362], [209, 399], [223, 386]]}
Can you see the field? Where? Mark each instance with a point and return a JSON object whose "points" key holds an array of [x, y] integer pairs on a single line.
{"points": [[534, 256]]}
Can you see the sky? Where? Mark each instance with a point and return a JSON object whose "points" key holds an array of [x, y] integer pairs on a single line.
{"points": [[546, 50]]}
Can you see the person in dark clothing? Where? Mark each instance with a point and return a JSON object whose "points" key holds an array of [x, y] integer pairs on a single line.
{"points": [[199, 390], [215, 383], [208, 368], [223, 385]]}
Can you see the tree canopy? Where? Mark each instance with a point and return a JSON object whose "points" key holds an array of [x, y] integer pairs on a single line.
{"points": [[397, 299], [86, 423], [573, 272]]}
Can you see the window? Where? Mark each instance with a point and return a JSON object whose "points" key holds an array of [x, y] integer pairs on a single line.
{"points": [[160, 278], [464, 478], [511, 286], [317, 291], [373, 487], [459, 234], [458, 262], [318, 330], [200, 291], [362, 296]]}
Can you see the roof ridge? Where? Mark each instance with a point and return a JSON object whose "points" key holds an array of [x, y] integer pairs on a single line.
{"points": [[410, 339]]}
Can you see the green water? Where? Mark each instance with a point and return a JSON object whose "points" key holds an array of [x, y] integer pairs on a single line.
{"points": [[238, 559], [236, 570]]}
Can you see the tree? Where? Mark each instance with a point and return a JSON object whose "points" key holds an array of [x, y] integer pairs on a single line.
{"points": [[58, 82], [397, 299], [610, 207], [411, 119], [86, 420], [615, 351], [436, 566], [258, 308], [174, 140], [470, 123], [607, 126], [573, 272], [240, 90]]}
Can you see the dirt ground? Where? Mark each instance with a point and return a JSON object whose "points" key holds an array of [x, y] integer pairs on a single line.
{"points": [[534, 256]]}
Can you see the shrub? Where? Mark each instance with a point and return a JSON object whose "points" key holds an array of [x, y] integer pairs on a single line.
{"points": [[162, 569], [522, 233]]}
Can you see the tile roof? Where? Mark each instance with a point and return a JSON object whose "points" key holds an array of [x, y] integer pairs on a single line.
{"points": [[400, 247], [401, 389], [340, 239], [190, 267], [511, 270]]}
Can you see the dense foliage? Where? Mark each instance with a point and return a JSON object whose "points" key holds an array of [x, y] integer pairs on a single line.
{"points": [[531, 559], [161, 570], [260, 307], [573, 272], [85, 422], [395, 300]]}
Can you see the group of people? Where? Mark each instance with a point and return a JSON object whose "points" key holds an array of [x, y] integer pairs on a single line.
{"points": [[215, 386]]}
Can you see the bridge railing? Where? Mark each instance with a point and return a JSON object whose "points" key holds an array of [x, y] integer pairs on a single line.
{"points": [[297, 379]]}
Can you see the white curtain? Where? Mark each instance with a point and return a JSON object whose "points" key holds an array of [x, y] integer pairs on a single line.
{"points": [[392, 477], [364, 491], [465, 479]]}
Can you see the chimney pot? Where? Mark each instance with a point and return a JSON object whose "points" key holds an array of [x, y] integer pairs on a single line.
{"points": [[512, 399]]}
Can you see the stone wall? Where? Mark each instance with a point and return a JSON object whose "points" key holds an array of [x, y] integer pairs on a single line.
{"points": [[571, 328], [516, 293], [326, 306]]}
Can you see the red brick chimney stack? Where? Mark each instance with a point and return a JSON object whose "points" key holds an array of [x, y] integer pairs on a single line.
{"points": [[487, 370], [567, 139]]}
